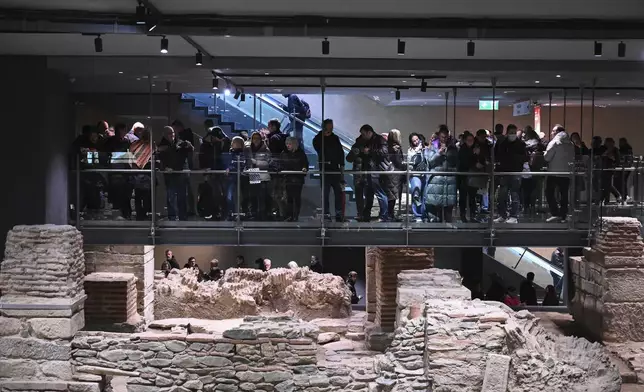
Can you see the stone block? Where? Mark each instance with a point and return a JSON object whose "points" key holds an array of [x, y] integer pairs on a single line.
{"points": [[624, 285], [623, 322], [33, 385], [33, 307], [13, 347], [58, 369], [497, 370], [9, 326], [57, 328], [18, 368]]}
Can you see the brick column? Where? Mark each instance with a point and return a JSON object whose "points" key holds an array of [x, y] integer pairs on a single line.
{"points": [[41, 308], [371, 293], [388, 262], [609, 282], [135, 259]]}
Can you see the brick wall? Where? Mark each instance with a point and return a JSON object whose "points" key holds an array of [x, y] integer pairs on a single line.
{"points": [[111, 298], [137, 260], [388, 262]]}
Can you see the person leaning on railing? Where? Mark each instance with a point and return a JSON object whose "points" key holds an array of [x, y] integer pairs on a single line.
{"points": [[293, 159]]}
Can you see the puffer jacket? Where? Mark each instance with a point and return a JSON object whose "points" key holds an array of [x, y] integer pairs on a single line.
{"points": [[560, 153], [393, 182], [358, 159], [295, 161], [258, 158], [441, 190], [378, 157]]}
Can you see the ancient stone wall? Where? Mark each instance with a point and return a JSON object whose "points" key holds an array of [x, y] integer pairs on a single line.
{"points": [[246, 291], [132, 259], [41, 308], [388, 262], [609, 282], [264, 354]]}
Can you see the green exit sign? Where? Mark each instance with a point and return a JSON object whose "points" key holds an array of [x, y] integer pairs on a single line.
{"points": [[488, 105]]}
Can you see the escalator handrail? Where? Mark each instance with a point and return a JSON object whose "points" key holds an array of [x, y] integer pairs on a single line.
{"points": [[314, 126], [544, 259], [539, 259]]}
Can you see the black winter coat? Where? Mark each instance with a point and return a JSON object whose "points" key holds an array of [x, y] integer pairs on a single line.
{"points": [[510, 156], [294, 161], [393, 182], [333, 155]]}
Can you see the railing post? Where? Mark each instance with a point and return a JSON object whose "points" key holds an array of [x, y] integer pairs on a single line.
{"points": [[153, 193], [564, 289], [238, 196], [492, 189], [77, 203], [321, 161], [572, 192]]}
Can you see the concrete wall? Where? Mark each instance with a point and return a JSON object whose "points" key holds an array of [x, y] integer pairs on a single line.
{"points": [[37, 125]]}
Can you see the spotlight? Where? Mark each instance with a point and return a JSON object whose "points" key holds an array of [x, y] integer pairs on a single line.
{"points": [[98, 44], [199, 58], [326, 47], [140, 14], [215, 84], [150, 21], [227, 91], [243, 97], [237, 94], [164, 45], [598, 49], [621, 50], [397, 95], [423, 86], [401, 47], [471, 48]]}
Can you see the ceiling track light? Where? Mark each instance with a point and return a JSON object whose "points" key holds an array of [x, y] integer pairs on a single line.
{"points": [[140, 14], [164, 45], [243, 97], [401, 47], [423, 86], [598, 49], [150, 21], [199, 58], [621, 50], [326, 47], [397, 95], [215, 83], [98, 44], [471, 49], [237, 94]]}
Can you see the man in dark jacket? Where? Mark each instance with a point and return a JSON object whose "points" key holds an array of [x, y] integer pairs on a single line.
{"points": [[186, 134], [316, 265], [298, 111], [120, 184], [376, 158], [331, 156], [510, 155], [527, 292], [172, 153], [276, 141], [351, 283], [359, 180]]}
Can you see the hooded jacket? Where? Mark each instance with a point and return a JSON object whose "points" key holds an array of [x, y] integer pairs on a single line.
{"points": [[560, 153]]}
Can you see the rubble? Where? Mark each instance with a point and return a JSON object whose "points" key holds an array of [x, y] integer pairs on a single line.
{"points": [[308, 295]]}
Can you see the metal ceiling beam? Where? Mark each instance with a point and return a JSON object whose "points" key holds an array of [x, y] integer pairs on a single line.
{"points": [[316, 26]]}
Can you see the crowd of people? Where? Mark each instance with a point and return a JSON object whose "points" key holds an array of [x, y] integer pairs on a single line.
{"points": [[263, 263], [261, 176], [527, 295]]}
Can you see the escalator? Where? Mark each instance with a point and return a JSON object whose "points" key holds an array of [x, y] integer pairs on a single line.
{"points": [[512, 264]]}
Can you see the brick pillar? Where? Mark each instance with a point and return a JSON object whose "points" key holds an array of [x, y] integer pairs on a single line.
{"points": [[41, 308], [370, 271], [130, 259], [388, 262], [608, 280]]}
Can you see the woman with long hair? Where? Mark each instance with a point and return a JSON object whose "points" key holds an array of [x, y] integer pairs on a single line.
{"points": [[416, 161], [394, 182]]}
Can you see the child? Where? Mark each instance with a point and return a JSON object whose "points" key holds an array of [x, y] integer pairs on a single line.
{"points": [[511, 298]]}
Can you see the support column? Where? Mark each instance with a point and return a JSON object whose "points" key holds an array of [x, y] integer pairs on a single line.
{"points": [[41, 308], [125, 259], [371, 293], [388, 262]]}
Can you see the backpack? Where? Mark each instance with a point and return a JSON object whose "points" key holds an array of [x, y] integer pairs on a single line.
{"points": [[307, 109]]}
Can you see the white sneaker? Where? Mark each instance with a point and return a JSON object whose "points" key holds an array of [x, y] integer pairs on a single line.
{"points": [[512, 220], [499, 220], [553, 219]]}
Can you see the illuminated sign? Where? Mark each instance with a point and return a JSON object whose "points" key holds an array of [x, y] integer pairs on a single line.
{"points": [[488, 105]]}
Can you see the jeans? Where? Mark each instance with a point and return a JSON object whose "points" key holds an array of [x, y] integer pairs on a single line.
{"points": [[509, 186], [293, 200], [374, 188], [334, 181], [176, 195], [562, 183], [528, 196], [416, 187], [359, 186], [466, 198], [608, 187], [259, 201], [121, 190], [231, 197]]}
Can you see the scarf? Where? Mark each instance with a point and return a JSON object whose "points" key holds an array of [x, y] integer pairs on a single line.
{"points": [[141, 153]]}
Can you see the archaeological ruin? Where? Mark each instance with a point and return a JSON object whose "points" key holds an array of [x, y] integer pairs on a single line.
{"points": [[98, 318]]}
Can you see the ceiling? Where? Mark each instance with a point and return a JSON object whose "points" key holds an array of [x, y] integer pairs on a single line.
{"points": [[614, 9]]}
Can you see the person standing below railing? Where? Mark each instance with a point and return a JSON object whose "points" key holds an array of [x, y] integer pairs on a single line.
{"points": [[560, 154], [293, 159], [510, 154], [331, 157]]}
